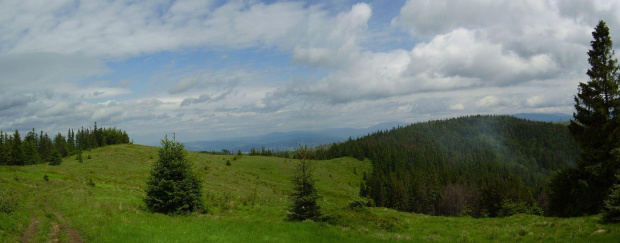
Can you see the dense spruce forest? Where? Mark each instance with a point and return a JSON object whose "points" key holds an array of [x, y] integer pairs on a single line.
{"points": [[482, 166], [41, 148]]}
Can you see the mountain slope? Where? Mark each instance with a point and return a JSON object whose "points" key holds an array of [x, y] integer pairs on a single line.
{"points": [[282, 141], [486, 162]]}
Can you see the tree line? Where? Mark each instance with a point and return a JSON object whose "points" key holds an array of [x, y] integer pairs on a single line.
{"points": [[36, 148]]}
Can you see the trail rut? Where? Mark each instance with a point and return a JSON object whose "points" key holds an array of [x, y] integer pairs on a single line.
{"points": [[31, 230], [73, 235], [57, 226]]}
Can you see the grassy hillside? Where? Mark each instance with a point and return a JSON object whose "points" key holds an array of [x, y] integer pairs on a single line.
{"points": [[100, 201]]}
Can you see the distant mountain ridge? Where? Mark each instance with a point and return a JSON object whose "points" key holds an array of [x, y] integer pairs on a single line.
{"points": [[281, 141], [544, 117]]}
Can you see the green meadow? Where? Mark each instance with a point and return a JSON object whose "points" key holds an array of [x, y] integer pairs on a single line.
{"points": [[100, 200]]}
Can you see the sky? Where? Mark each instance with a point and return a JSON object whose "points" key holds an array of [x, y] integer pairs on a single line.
{"points": [[207, 69]]}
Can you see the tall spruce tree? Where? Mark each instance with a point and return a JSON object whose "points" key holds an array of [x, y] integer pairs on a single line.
{"points": [[45, 147], [70, 142], [2, 150], [595, 127], [304, 194], [597, 104], [17, 152], [173, 188], [31, 153], [6, 150]]}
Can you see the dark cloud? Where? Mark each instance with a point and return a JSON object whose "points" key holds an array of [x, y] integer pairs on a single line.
{"points": [[10, 101], [205, 98]]}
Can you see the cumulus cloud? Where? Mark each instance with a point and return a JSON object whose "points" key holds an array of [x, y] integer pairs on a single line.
{"points": [[332, 43], [467, 54], [470, 44], [459, 59], [452, 58]]}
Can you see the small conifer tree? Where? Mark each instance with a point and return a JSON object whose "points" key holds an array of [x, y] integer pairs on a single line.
{"points": [[56, 158], [173, 188], [304, 194]]}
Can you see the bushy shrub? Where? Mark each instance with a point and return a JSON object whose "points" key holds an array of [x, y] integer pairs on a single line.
{"points": [[8, 203], [79, 158], [510, 208], [173, 188], [360, 202], [90, 182], [611, 211]]}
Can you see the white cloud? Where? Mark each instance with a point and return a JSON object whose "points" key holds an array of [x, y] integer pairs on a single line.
{"points": [[457, 107], [332, 43], [454, 58], [488, 101], [121, 29], [467, 54], [427, 19], [46, 70], [470, 44], [184, 85]]}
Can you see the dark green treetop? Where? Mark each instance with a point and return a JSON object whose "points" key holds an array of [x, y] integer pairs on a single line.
{"points": [[173, 187]]}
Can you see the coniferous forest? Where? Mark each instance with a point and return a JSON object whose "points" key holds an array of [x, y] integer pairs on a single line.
{"points": [[482, 166], [41, 148]]}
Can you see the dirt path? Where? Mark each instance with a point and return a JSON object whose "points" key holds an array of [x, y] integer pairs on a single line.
{"points": [[31, 230], [54, 234], [73, 235]]}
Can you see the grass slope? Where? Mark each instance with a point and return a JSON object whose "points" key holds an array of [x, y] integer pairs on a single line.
{"points": [[102, 199]]}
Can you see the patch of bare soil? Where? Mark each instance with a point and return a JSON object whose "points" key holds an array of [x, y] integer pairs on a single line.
{"points": [[54, 234], [73, 235]]}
